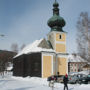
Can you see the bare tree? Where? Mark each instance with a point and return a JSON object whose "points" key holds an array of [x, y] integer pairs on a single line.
{"points": [[83, 36], [23, 46], [14, 47], [5, 57]]}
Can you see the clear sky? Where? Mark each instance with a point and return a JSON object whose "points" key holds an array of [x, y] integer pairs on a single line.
{"points": [[24, 21]]}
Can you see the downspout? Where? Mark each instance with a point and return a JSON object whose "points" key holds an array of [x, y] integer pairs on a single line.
{"points": [[56, 66]]}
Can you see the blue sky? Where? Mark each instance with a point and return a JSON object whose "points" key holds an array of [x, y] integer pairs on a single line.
{"points": [[24, 21]]}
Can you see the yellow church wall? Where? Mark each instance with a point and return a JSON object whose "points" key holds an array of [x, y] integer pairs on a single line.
{"points": [[47, 66], [62, 65], [60, 48], [63, 37]]}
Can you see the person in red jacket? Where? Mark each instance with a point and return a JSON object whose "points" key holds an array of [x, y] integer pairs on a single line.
{"points": [[65, 81]]}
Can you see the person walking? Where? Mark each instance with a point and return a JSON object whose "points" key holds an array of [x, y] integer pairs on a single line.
{"points": [[65, 81]]}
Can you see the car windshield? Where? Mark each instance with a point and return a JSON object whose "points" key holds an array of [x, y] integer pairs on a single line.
{"points": [[88, 75], [81, 75]]}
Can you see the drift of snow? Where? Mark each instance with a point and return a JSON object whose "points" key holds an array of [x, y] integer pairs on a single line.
{"points": [[9, 82]]}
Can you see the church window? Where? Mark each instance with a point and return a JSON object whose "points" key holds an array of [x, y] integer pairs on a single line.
{"points": [[75, 70], [60, 37]]}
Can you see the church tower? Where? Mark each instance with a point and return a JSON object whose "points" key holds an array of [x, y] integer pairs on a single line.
{"points": [[57, 38]]}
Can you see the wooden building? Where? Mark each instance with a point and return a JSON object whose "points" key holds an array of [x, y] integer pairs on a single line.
{"points": [[43, 57], [86, 67], [28, 65]]}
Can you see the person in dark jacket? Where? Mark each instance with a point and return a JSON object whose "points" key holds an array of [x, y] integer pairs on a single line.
{"points": [[65, 81]]}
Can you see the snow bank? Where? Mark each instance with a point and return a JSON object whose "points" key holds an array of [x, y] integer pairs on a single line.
{"points": [[32, 79], [34, 83]]}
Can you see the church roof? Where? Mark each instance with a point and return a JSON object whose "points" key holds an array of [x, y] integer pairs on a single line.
{"points": [[36, 46]]}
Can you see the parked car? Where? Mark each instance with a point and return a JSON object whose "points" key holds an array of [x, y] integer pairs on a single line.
{"points": [[55, 78], [60, 79], [52, 78], [84, 80], [73, 79]]}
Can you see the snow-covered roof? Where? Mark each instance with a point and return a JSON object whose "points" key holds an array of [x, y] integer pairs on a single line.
{"points": [[9, 68], [34, 47], [82, 72], [75, 58]]}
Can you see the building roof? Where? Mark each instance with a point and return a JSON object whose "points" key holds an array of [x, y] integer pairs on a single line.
{"points": [[36, 46], [75, 58]]}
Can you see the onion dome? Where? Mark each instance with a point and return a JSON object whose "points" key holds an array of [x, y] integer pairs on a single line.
{"points": [[56, 22]]}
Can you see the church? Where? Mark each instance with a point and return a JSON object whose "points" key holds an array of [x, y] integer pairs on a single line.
{"points": [[44, 58]]}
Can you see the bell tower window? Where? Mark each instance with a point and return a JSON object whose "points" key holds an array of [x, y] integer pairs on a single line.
{"points": [[60, 37]]}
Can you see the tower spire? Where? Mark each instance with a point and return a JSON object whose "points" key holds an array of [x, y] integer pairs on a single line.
{"points": [[56, 22], [55, 8]]}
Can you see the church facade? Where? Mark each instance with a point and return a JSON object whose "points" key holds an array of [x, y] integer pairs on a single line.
{"points": [[44, 58]]}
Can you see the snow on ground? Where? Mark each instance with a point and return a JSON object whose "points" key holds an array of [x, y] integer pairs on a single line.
{"points": [[9, 82]]}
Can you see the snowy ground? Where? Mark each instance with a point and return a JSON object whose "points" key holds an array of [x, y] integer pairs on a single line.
{"points": [[9, 82]]}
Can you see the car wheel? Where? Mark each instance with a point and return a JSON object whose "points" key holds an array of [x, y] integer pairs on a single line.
{"points": [[77, 82]]}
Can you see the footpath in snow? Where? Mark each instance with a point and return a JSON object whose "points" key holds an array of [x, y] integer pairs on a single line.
{"points": [[9, 82]]}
